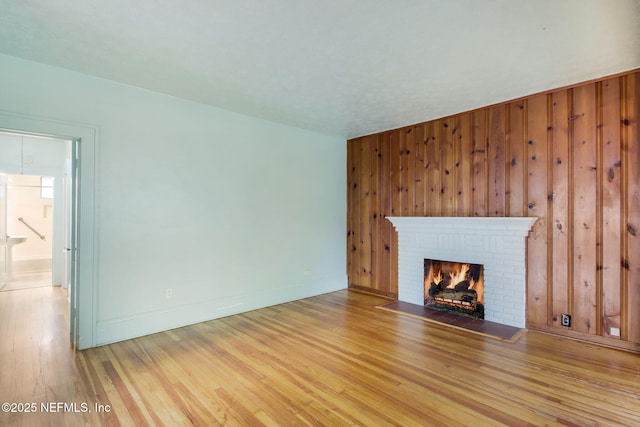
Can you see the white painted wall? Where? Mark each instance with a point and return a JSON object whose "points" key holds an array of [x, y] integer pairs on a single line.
{"points": [[227, 210]]}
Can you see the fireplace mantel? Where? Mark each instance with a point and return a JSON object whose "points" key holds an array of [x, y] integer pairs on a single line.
{"points": [[462, 225], [498, 243]]}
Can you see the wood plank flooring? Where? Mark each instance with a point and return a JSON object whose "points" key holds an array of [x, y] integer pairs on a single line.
{"points": [[328, 360]]}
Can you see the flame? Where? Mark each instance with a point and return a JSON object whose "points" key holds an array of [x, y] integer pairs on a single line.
{"points": [[438, 278], [431, 278], [458, 276]]}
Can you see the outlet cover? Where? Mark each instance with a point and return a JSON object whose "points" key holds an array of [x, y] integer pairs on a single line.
{"points": [[614, 332]]}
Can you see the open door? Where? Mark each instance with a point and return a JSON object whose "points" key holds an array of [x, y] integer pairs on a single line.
{"points": [[71, 247]]}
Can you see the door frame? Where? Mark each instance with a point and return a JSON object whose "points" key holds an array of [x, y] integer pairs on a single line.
{"points": [[3, 228], [83, 301]]}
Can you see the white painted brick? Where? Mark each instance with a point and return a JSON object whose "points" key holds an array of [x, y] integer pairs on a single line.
{"points": [[497, 243]]}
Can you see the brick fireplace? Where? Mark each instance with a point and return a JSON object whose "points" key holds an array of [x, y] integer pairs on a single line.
{"points": [[496, 243]]}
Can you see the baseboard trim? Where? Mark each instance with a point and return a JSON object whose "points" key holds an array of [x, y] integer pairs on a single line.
{"points": [[123, 328]]}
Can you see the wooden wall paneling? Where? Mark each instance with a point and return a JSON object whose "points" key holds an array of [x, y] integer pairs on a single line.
{"points": [[366, 147], [376, 217], [396, 168], [420, 176], [385, 257], [464, 164], [394, 182], [496, 161], [448, 168], [536, 194], [350, 208], [516, 159], [598, 304], [609, 175], [580, 175], [583, 120], [407, 171], [479, 163], [631, 230], [353, 210], [561, 271], [433, 168]]}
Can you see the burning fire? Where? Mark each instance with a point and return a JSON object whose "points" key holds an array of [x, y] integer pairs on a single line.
{"points": [[458, 276], [457, 273], [437, 279]]}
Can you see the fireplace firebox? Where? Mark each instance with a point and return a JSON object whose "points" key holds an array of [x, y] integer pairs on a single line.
{"points": [[454, 286]]}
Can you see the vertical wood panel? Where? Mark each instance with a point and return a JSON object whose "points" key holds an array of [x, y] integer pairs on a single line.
{"points": [[631, 230], [479, 161], [611, 208], [396, 167], [420, 176], [584, 209], [407, 169], [350, 209], [560, 207], [376, 217], [496, 161], [354, 216], [394, 148], [516, 159], [448, 161], [464, 180], [433, 169], [387, 276], [367, 146], [536, 196]]}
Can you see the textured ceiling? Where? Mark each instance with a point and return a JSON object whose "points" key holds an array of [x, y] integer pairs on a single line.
{"points": [[340, 67]]}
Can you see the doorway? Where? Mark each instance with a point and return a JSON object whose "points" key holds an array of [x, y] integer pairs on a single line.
{"points": [[37, 214], [35, 237], [29, 213], [79, 254]]}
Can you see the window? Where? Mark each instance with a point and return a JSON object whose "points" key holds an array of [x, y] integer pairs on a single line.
{"points": [[46, 187]]}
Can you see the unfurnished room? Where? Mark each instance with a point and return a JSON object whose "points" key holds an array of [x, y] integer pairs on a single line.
{"points": [[371, 213]]}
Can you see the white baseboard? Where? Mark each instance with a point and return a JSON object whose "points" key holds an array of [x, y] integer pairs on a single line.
{"points": [[124, 328]]}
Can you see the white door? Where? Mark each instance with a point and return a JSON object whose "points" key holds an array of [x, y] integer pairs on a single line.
{"points": [[71, 251]]}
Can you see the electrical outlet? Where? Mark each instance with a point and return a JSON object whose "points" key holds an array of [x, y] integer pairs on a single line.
{"points": [[168, 293], [614, 332], [565, 319]]}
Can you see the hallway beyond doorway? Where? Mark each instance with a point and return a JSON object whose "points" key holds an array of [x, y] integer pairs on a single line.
{"points": [[30, 215]]}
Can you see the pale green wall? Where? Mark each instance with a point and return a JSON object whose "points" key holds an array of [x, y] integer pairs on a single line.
{"points": [[226, 209]]}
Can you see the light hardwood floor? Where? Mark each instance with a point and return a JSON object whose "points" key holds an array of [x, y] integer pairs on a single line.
{"points": [[329, 360]]}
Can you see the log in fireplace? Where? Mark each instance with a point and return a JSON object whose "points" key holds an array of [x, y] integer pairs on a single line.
{"points": [[454, 286]]}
